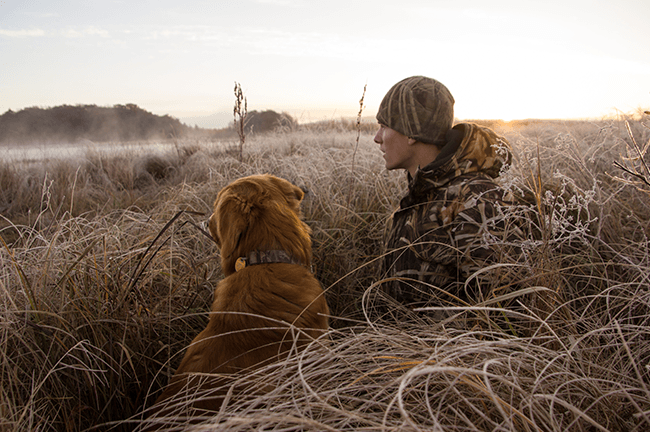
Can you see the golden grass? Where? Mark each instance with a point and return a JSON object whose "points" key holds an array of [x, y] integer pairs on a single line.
{"points": [[106, 276]]}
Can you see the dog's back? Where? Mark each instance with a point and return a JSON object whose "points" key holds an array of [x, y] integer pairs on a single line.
{"points": [[259, 315]]}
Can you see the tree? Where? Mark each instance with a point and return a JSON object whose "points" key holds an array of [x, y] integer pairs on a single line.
{"points": [[268, 121]]}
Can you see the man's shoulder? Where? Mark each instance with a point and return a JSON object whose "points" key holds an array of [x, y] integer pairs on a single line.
{"points": [[470, 184]]}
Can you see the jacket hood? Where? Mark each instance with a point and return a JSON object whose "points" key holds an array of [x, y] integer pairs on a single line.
{"points": [[469, 148]]}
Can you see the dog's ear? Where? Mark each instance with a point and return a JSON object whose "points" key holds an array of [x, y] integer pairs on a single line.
{"points": [[231, 220], [300, 194], [212, 226], [286, 188]]}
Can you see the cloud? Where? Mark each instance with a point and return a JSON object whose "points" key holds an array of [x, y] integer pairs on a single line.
{"points": [[278, 2], [87, 31], [70, 32], [188, 33], [22, 33]]}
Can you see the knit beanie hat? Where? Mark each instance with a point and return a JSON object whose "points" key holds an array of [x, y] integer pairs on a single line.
{"points": [[420, 108]]}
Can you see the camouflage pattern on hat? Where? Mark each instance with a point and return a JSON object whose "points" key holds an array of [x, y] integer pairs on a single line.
{"points": [[420, 108]]}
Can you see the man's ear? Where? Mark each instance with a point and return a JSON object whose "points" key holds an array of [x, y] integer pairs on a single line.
{"points": [[412, 141]]}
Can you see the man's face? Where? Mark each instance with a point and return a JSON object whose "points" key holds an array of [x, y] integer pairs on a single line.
{"points": [[396, 148]]}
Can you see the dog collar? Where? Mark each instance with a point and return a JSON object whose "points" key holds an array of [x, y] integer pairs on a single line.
{"points": [[265, 257]]}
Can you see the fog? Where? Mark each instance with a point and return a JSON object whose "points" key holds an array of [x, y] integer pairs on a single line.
{"points": [[31, 153]]}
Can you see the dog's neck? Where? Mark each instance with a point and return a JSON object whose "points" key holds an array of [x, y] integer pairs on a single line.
{"points": [[270, 256]]}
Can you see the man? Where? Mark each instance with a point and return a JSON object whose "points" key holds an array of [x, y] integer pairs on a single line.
{"points": [[448, 225]]}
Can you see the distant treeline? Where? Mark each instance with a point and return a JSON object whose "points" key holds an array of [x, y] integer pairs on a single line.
{"points": [[267, 121], [128, 122], [73, 123]]}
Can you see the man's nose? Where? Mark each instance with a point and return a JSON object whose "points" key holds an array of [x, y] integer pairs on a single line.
{"points": [[377, 138]]}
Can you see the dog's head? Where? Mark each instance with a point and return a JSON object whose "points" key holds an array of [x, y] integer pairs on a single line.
{"points": [[259, 212]]}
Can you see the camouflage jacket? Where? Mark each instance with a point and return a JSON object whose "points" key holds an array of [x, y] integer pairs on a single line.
{"points": [[443, 230]]}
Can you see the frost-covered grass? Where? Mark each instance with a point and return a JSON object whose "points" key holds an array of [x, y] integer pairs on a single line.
{"points": [[106, 276]]}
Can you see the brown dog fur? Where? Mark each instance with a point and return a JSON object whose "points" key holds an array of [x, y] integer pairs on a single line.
{"points": [[259, 212]]}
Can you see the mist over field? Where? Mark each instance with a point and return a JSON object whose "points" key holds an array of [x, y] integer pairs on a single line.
{"points": [[106, 277]]}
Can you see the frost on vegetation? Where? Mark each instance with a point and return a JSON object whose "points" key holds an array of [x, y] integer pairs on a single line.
{"points": [[564, 142], [120, 335], [569, 219]]}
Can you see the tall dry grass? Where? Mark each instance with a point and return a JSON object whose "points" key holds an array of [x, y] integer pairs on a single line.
{"points": [[106, 276]]}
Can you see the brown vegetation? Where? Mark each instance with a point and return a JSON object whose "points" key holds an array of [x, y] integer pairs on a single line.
{"points": [[105, 278]]}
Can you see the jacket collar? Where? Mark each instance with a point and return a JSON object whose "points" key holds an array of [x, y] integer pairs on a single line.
{"points": [[469, 148]]}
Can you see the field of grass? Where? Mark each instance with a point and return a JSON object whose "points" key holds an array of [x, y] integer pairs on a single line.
{"points": [[106, 275]]}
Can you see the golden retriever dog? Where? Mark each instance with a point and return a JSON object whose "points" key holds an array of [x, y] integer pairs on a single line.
{"points": [[268, 303]]}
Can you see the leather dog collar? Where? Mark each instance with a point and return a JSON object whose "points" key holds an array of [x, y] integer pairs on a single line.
{"points": [[265, 257]]}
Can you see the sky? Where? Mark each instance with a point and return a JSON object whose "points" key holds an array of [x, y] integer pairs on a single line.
{"points": [[311, 58]]}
